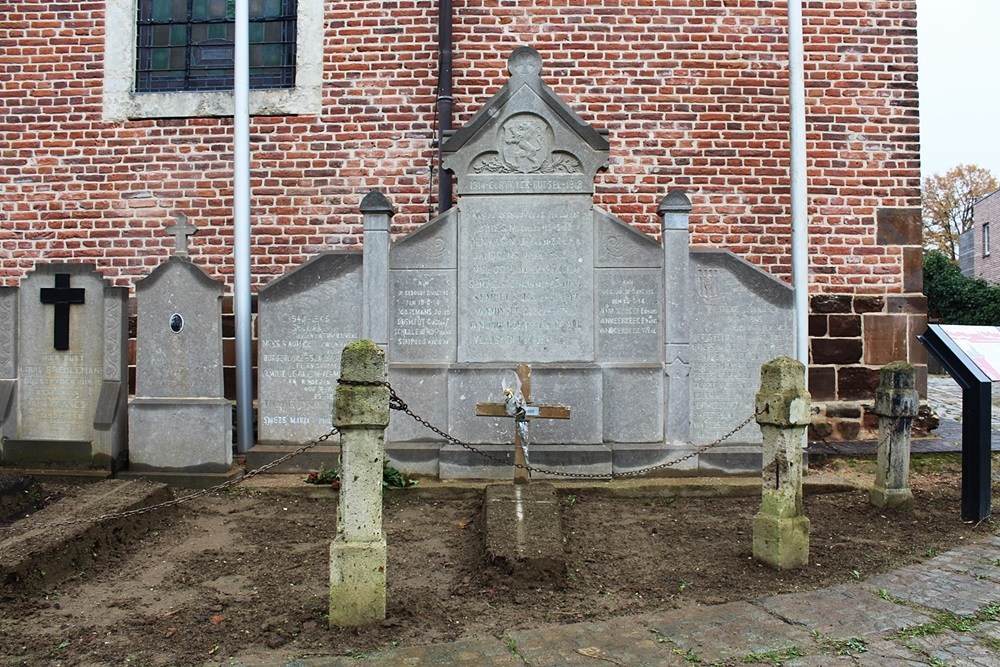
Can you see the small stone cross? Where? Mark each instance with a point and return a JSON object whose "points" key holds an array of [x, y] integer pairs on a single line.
{"points": [[523, 413], [181, 230]]}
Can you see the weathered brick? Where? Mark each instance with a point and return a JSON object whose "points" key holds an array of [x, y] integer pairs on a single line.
{"points": [[836, 350]]}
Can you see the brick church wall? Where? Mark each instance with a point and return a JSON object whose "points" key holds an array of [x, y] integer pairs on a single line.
{"points": [[693, 94], [986, 259]]}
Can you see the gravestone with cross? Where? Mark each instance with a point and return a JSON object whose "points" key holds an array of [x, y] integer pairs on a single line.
{"points": [[517, 405], [63, 379], [179, 420]]}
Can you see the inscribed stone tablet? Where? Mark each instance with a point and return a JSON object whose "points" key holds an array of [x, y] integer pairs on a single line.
{"points": [[743, 319], [526, 279], [305, 319], [422, 315], [629, 315]]}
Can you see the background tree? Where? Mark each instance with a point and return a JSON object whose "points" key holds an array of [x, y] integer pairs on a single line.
{"points": [[947, 205]]}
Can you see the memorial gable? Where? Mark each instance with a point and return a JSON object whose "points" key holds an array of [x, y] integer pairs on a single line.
{"points": [[305, 318]]}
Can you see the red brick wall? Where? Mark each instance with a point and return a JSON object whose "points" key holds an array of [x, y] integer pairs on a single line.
{"points": [[692, 92], [987, 210]]}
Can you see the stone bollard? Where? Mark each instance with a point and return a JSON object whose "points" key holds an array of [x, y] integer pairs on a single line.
{"points": [[780, 529], [896, 404], [357, 553]]}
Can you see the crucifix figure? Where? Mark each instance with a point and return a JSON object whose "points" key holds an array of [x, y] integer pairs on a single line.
{"points": [[517, 404], [62, 296], [181, 230]]}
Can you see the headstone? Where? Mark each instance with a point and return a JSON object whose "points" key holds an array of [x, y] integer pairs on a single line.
{"points": [[63, 337], [305, 318], [664, 341], [358, 553], [179, 419]]}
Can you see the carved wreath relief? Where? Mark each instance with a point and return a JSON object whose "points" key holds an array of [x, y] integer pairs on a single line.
{"points": [[524, 146]]}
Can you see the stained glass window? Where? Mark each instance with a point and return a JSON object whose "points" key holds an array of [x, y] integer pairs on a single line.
{"points": [[188, 44]]}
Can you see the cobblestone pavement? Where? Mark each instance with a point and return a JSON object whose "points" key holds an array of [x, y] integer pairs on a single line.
{"points": [[944, 611], [946, 397]]}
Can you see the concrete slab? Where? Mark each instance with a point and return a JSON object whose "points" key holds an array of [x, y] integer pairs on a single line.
{"points": [[523, 532]]}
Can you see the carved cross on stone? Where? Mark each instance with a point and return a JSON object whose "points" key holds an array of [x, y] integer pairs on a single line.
{"points": [[62, 296], [523, 413], [181, 230]]}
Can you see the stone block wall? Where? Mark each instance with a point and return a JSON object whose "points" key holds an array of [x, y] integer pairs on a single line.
{"points": [[986, 259]]}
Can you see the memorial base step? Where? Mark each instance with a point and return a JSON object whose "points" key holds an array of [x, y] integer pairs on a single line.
{"points": [[181, 479], [459, 463], [40, 453], [314, 459]]}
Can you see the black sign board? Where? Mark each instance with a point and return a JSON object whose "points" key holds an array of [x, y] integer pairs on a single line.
{"points": [[971, 355]]}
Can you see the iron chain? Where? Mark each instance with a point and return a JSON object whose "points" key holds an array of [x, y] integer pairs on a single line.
{"points": [[397, 403]]}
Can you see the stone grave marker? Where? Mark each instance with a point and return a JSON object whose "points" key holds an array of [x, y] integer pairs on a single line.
{"points": [[63, 364], [179, 419], [305, 318]]}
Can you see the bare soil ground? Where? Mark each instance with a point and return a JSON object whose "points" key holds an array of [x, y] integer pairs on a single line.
{"points": [[242, 576]]}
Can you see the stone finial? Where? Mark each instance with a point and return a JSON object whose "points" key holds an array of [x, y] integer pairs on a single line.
{"points": [[181, 230], [675, 201], [897, 395], [376, 202], [524, 61], [783, 400]]}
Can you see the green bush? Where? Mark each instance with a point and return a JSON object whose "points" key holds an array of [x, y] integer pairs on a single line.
{"points": [[953, 298]]}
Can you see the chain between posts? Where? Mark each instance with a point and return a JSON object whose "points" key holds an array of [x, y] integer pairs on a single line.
{"points": [[837, 450], [397, 403], [186, 497]]}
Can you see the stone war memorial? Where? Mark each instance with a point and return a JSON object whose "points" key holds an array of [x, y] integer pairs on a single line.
{"points": [[656, 347], [63, 369]]}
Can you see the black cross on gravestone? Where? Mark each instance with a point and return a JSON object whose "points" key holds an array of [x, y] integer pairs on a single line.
{"points": [[62, 296]]}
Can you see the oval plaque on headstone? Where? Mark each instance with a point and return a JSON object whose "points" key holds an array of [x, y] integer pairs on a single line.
{"points": [[176, 322]]}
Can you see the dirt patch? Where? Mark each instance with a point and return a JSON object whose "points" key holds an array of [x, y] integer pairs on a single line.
{"points": [[243, 576]]}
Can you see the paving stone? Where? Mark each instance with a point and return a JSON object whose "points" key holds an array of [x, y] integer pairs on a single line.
{"points": [[842, 612], [728, 631], [478, 652], [887, 653], [624, 641], [956, 648], [820, 660], [938, 588], [980, 562]]}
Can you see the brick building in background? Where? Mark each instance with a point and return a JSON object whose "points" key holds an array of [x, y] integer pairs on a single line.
{"points": [[111, 128], [985, 249]]}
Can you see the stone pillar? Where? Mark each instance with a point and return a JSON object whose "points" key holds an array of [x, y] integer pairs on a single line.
{"points": [[896, 404], [376, 212], [357, 554], [675, 210], [780, 529]]}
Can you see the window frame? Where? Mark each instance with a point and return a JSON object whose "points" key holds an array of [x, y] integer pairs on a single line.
{"points": [[986, 239], [122, 102]]}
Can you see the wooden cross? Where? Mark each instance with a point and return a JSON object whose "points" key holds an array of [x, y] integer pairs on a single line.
{"points": [[62, 296], [531, 411], [181, 230]]}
